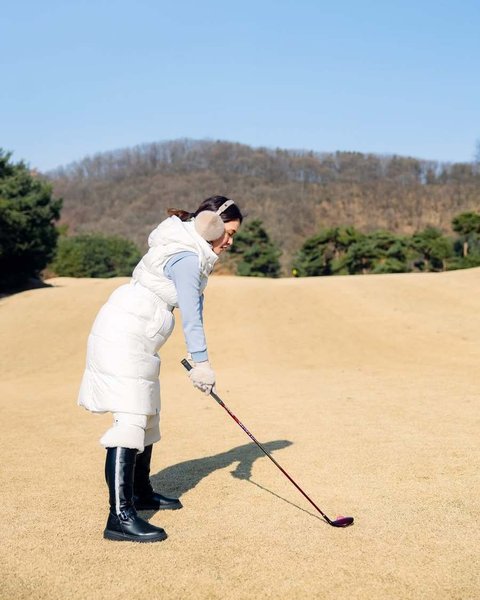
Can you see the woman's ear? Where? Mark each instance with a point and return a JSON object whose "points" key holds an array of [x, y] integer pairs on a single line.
{"points": [[209, 225]]}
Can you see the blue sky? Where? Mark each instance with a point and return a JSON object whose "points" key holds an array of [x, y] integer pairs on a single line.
{"points": [[372, 76]]}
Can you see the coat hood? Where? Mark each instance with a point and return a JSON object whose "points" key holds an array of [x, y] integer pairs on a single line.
{"points": [[174, 235]]}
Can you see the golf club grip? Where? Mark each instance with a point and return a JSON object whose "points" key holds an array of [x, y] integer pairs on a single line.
{"points": [[189, 367], [186, 364]]}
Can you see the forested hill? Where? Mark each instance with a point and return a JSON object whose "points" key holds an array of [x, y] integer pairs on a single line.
{"points": [[295, 193]]}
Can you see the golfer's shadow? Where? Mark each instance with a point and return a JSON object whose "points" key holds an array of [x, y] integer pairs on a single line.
{"points": [[178, 479]]}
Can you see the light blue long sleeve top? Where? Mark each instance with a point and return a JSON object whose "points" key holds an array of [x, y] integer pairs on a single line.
{"points": [[183, 269]]}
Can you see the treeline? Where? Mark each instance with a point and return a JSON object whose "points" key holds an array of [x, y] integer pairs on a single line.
{"points": [[277, 165], [293, 193], [380, 214], [347, 251]]}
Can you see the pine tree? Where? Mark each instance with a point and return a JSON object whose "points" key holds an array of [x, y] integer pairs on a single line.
{"points": [[28, 236], [378, 252], [467, 245], [324, 253], [467, 224], [253, 253], [432, 250]]}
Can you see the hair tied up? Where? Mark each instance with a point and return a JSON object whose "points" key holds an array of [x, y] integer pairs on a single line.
{"points": [[183, 215]]}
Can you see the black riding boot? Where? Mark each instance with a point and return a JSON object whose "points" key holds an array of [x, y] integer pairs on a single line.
{"points": [[123, 523], [145, 497]]}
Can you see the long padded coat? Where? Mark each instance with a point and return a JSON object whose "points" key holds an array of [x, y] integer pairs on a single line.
{"points": [[122, 366]]}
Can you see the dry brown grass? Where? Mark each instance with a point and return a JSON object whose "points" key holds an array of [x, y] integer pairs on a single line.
{"points": [[365, 388]]}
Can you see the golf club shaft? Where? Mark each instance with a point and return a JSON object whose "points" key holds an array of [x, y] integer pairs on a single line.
{"points": [[189, 367]]}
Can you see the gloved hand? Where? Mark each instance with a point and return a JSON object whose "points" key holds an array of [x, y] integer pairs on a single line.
{"points": [[203, 376]]}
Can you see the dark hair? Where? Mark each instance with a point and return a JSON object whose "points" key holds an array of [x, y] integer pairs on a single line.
{"points": [[213, 203]]}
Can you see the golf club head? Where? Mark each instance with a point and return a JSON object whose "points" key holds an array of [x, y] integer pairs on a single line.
{"points": [[342, 522]]}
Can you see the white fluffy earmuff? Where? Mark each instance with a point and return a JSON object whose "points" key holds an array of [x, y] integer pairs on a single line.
{"points": [[209, 224]]}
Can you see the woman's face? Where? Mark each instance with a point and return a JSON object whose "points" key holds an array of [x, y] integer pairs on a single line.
{"points": [[226, 240]]}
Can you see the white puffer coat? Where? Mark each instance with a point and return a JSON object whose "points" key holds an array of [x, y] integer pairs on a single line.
{"points": [[122, 366]]}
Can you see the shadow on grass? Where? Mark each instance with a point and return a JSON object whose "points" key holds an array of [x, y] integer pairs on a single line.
{"points": [[9, 289], [178, 479], [183, 477]]}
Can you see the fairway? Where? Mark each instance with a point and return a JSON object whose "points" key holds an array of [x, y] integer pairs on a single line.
{"points": [[364, 388]]}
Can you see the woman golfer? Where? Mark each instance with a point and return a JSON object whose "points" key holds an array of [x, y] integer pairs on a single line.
{"points": [[122, 366]]}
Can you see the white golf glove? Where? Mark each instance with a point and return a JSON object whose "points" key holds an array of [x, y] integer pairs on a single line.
{"points": [[203, 377]]}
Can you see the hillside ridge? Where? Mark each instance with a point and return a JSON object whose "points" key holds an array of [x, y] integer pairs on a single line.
{"points": [[295, 193]]}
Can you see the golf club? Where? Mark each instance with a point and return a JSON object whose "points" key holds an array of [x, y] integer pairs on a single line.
{"points": [[339, 522]]}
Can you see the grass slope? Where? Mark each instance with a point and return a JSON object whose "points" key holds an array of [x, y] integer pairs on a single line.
{"points": [[364, 388]]}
